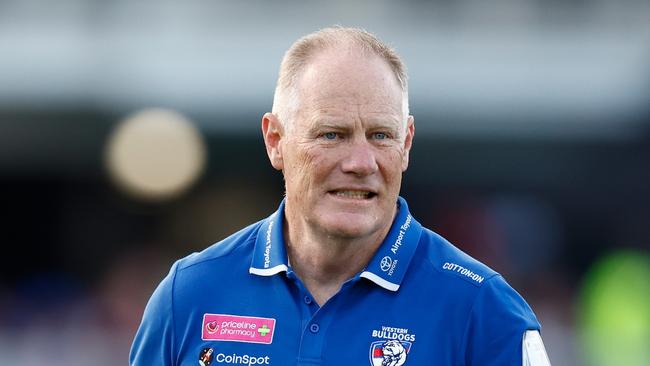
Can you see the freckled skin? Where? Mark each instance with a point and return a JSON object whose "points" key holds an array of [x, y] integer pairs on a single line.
{"points": [[349, 134]]}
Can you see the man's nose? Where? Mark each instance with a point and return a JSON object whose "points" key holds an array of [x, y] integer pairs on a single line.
{"points": [[360, 159]]}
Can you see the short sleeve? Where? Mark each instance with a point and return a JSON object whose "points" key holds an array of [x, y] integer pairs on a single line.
{"points": [[497, 323], [154, 340]]}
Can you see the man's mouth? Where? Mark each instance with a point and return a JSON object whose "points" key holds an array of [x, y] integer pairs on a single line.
{"points": [[359, 195]]}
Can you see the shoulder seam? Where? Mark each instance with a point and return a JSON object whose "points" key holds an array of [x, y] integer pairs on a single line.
{"points": [[451, 259]]}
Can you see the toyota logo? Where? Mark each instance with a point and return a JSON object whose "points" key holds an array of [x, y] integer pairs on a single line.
{"points": [[385, 263]]}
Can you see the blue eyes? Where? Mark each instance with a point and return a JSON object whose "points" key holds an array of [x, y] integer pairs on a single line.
{"points": [[375, 135]]}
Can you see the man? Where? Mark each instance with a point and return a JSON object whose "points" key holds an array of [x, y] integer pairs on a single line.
{"points": [[341, 273]]}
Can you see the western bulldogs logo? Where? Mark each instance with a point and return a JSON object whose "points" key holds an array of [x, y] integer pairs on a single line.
{"points": [[389, 353]]}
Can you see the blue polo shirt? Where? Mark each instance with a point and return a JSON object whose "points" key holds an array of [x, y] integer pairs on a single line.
{"points": [[420, 301]]}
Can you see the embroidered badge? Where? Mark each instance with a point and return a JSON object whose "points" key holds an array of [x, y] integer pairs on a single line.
{"points": [[205, 357], [400, 334], [389, 353], [235, 328]]}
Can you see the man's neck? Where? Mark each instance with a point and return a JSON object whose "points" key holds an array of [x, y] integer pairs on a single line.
{"points": [[324, 262]]}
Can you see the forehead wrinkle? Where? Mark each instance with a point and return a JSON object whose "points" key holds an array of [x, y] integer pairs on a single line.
{"points": [[326, 106], [353, 111]]}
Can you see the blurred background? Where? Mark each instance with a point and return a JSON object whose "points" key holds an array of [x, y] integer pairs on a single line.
{"points": [[129, 137]]}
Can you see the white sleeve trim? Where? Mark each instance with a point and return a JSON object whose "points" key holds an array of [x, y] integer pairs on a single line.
{"points": [[532, 350]]}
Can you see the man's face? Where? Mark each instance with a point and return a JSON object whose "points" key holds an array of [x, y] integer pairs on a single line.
{"points": [[346, 148]]}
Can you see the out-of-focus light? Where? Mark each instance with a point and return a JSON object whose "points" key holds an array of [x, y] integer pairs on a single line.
{"points": [[615, 311], [155, 154]]}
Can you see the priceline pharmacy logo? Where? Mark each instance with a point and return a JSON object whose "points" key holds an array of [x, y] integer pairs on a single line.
{"points": [[235, 328]]}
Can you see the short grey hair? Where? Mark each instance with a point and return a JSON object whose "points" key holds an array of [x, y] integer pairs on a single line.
{"points": [[303, 50]]}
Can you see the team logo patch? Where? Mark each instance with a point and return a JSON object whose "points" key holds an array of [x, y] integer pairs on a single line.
{"points": [[389, 353], [235, 328], [205, 357]]}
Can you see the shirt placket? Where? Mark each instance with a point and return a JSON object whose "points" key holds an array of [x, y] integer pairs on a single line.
{"points": [[315, 321]]}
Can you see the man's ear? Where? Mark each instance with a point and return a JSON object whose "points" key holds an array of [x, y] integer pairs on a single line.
{"points": [[408, 141], [273, 132]]}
